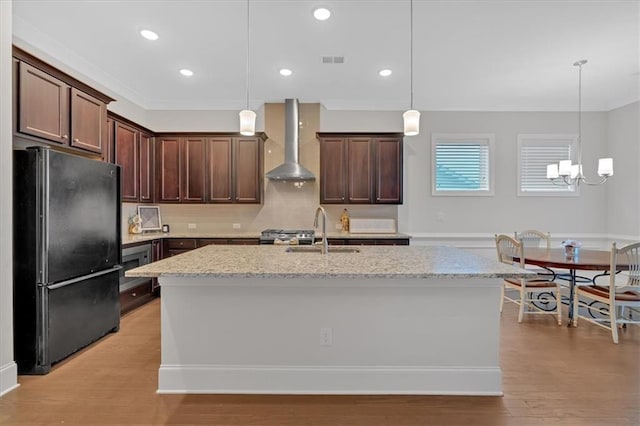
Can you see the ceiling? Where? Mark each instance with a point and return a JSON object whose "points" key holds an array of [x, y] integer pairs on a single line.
{"points": [[486, 55]]}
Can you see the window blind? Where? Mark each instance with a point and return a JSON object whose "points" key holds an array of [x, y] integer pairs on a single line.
{"points": [[462, 167], [533, 167]]}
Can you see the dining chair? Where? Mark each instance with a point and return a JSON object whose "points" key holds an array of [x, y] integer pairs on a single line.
{"points": [[617, 302], [511, 252]]}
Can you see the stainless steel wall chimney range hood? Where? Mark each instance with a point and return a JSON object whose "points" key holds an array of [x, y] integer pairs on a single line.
{"points": [[291, 170]]}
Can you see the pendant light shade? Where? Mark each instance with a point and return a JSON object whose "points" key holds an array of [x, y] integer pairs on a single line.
{"points": [[247, 117], [247, 122], [411, 117], [411, 122]]}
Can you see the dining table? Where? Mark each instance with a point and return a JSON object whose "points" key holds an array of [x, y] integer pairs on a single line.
{"points": [[579, 259]]}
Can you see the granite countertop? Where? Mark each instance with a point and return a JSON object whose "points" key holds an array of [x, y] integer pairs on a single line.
{"points": [[268, 261], [137, 238]]}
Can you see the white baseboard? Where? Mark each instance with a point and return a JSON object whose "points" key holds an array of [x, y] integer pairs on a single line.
{"points": [[339, 380], [8, 377]]}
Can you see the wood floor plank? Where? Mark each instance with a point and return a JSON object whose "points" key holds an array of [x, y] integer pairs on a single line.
{"points": [[551, 376]]}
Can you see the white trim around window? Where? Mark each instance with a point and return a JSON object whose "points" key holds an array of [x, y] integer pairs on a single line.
{"points": [[462, 164], [535, 152]]}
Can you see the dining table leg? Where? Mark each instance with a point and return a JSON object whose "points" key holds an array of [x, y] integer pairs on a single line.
{"points": [[572, 289]]}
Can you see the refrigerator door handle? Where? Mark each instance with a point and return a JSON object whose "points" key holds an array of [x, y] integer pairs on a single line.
{"points": [[83, 278]]}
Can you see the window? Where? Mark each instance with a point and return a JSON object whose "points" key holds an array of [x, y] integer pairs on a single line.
{"points": [[535, 152], [462, 164]]}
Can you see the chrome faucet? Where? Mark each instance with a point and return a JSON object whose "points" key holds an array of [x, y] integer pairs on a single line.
{"points": [[325, 244]]}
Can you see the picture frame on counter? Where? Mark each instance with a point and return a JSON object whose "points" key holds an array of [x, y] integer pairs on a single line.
{"points": [[150, 218]]}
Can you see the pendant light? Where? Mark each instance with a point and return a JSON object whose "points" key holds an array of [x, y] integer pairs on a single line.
{"points": [[568, 174], [411, 117], [247, 117]]}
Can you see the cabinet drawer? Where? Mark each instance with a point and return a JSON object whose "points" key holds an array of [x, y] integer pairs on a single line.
{"points": [[209, 241], [244, 241], [134, 297], [173, 252], [181, 243]]}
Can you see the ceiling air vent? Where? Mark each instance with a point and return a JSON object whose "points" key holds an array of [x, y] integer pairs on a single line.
{"points": [[333, 59]]}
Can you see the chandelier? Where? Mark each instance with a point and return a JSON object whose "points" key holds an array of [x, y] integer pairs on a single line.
{"points": [[566, 173]]}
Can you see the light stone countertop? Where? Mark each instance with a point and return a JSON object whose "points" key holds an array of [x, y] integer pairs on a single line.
{"points": [[268, 261]]}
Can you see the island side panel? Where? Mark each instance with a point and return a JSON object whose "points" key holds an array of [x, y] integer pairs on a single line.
{"points": [[387, 336]]}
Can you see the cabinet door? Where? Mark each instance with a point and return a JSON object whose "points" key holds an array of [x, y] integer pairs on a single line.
{"points": [[43, 105], [108, 153], [359, 170], [168, 169], [146, 168], [332, 171], [127, 157], [156, 254], [193, 167], [248, 170], [88, 122], [388, 170], [219, 168]]}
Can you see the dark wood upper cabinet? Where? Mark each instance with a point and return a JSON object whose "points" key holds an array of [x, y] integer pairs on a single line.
{"points": [[88, 122], [388, 158], [248, 170], [52, 106], [134, 153], [146, 167], [333, 168], [193, 169], [168, 169], [108, 153], [127, 157], [43, 105], [361, 169], [219, 170], [211, 169]]}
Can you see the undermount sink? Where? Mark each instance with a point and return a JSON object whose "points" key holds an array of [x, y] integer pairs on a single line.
{"points": [[318, 249]]}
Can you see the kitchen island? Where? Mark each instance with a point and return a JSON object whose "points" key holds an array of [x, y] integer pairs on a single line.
{"points": [[383, 320]]}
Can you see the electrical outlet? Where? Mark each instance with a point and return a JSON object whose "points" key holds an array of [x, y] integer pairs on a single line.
{"points": [[236, 226], [192, 226], [338, 226], [326, 336]]}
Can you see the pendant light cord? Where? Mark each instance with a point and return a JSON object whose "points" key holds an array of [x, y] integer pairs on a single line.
{"points": [[247, 70], [411, 52], [580, 63]]}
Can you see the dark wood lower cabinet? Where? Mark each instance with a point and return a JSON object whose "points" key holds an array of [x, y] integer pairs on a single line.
{"points": [[134, 297], [369, 241]]}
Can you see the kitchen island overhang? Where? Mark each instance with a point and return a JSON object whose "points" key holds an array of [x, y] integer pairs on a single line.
{"points": [[387, 320]]}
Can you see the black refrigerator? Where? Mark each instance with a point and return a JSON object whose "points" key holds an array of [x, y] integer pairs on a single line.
{"points": [[67, 241]]}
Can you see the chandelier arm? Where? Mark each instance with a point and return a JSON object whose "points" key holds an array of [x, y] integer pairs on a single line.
{"points": [[602, 180]]}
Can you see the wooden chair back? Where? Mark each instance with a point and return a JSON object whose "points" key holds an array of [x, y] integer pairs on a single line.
{"points": [[629, 279], [534, 238]]}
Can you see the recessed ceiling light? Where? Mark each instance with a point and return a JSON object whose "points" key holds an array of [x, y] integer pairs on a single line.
{"points": [[286, 72], [385, 73], [322, 14], [149, 35], [186, 72]]}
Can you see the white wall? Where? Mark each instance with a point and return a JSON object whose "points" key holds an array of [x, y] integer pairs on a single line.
{"points": [[8, 368], [424, 215], [624, 187]]}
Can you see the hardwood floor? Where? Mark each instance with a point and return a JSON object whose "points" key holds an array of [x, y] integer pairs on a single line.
{"points": [[552, 376]]}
